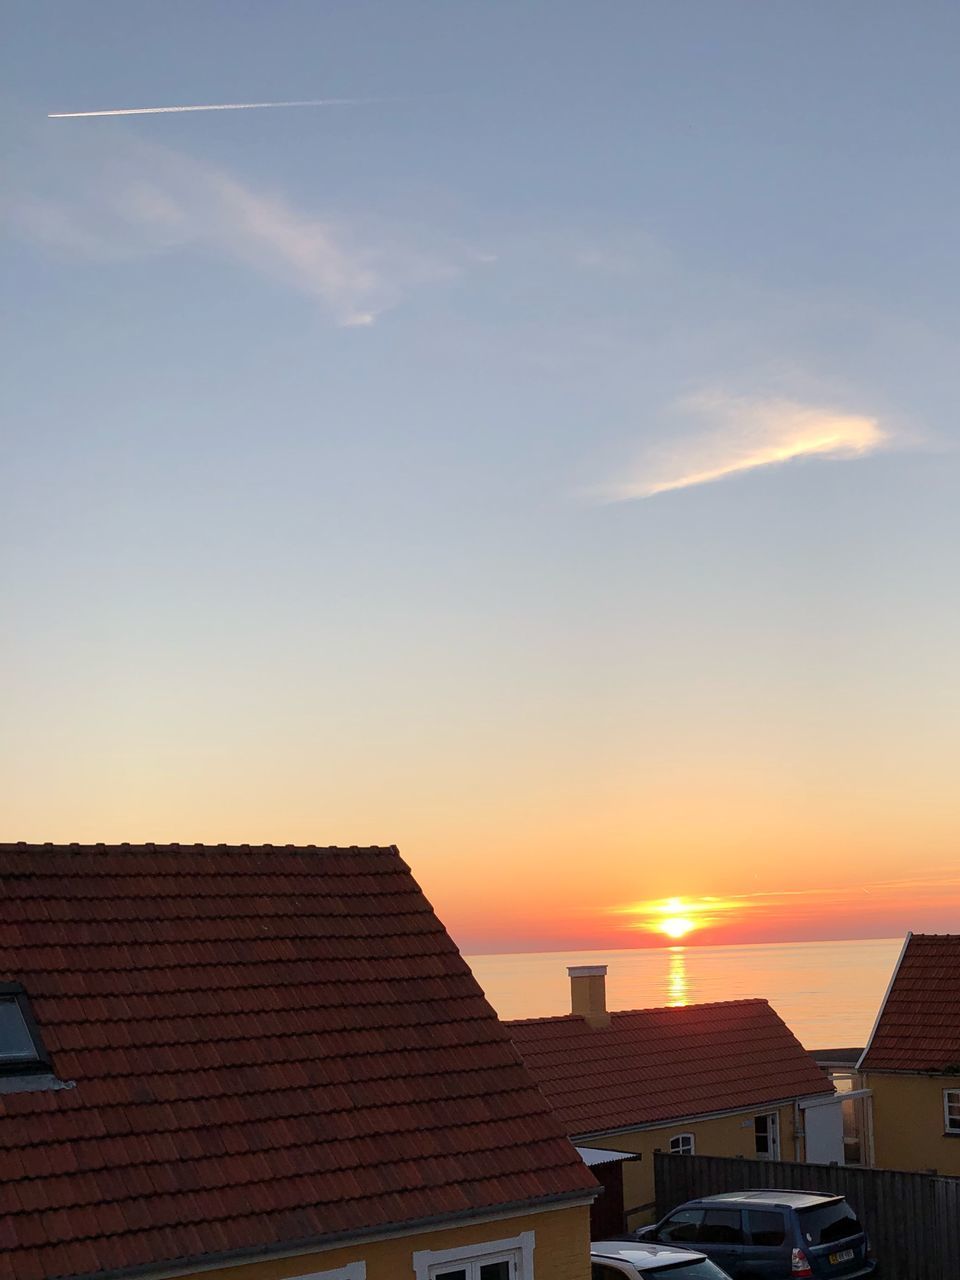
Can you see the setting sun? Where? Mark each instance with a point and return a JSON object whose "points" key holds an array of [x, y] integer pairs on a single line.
{"points": [[676, 926], [675, 918]]}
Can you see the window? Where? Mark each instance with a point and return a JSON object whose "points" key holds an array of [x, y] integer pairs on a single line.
{"points": [[951, 1110], [496, 1260], [766, 1133], [853, 1114], [681, 1226], [21, 1051], [766, 1227], [485, 1270], [682, 1144], [16, 1043], [828, 1223], [720, 1226]]}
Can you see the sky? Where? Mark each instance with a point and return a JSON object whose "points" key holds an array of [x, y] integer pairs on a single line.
{"points": [[542, 456]]}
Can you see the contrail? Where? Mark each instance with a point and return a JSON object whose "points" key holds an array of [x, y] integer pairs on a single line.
{"points": [[217, 106]]}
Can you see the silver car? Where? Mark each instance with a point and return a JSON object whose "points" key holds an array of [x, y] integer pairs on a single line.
{"points": [[617, 1259]]}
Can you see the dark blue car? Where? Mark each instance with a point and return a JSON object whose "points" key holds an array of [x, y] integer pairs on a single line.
{"points": [[771, 1235]]}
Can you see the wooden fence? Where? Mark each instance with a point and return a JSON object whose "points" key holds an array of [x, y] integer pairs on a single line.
{"points": [[912, 1219]]}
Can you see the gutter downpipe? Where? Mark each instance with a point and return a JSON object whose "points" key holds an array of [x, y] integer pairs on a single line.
{"points": [[796, 1130]]}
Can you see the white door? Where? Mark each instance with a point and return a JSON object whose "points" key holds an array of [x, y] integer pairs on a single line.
{"points": [[823, 1125]]}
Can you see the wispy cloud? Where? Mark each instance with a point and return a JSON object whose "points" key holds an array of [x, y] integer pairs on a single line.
{"points": [[136, 198], [214, 106], [745, 434]]}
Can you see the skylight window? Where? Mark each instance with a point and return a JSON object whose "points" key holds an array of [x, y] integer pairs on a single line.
{"points": [[16, 1043], [20, 1047]]}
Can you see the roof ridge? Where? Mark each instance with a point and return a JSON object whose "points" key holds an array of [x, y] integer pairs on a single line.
{"points": [[660, 1008], [177, 846], [699, 1004]]}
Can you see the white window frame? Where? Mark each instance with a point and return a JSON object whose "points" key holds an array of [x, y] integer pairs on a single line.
{"points": [[951, 1098], [352, 1271], [427, 1263], [773, 1135], [687, 1144]]}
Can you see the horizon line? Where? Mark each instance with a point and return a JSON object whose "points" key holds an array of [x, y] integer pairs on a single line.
{"points": [[682, 946]]}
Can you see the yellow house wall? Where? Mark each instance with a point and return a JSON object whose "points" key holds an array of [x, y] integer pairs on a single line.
{"points": [[908, 1123], [731, 1135], [561, 1252]]}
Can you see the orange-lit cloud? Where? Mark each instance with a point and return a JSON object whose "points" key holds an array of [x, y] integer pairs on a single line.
{"points": [[675, 918], [741, 916], [745, 434]]}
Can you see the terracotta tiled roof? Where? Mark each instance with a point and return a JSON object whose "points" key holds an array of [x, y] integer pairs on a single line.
{"points": [[269, 1046], [654, 1065], [919, 1025]]}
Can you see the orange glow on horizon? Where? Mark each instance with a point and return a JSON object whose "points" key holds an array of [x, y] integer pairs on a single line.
{"points": [[493, 923], [790, 914], [675, 918]]}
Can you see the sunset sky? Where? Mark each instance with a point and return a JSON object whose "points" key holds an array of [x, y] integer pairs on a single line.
{"points": [[543, 458]]}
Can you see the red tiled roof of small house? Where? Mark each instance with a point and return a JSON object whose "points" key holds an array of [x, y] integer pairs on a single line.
{"points": [[266, 1047], [918, 1028], [651, 1065]]}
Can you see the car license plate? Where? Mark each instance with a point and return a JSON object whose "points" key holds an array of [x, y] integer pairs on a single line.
{"points": [[843, 1256]]}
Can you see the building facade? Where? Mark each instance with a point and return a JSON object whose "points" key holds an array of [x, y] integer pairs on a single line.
{"points": [[911, 1064], [726, 1079]]}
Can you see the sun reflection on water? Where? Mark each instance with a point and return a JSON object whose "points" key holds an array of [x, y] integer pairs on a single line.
{"points": [[677, 983]]}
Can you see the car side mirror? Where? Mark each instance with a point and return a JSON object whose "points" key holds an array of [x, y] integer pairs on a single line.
{"points": [[646, 1233]]}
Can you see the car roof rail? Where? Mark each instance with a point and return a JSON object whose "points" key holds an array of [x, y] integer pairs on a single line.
{"points": [[768, 1191]]}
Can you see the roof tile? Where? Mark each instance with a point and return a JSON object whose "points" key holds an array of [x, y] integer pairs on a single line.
{"points": [[653, 1065], [919, 1024], [267, 1044]]}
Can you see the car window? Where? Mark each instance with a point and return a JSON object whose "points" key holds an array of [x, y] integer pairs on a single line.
{"points": [[720, 1226], [681, 1225], [766, 1227], [828, 1222], [600, 1272]]}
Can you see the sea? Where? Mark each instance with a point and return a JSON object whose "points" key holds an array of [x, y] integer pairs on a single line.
{"points": [[828, 993]]}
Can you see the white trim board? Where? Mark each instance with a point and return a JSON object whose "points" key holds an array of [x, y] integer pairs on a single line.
{"points": [[886, 997], [752, 1109], [352, 1271], [807, 1103]]}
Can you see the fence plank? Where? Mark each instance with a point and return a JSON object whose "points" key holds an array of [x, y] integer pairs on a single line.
{"points": [[913, 1219], [948, 1211]]}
